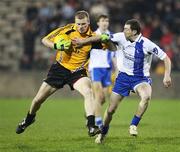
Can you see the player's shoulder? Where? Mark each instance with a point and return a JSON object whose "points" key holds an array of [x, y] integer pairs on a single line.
{"points": [[119, 33], [69, 26], [118, 37], [64, 29], [147, 41], [149, 44]]}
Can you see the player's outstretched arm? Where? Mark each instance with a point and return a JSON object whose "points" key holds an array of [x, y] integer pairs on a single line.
{"points": [[96, 38], [104, 38], [89, 40], [167, 72]]}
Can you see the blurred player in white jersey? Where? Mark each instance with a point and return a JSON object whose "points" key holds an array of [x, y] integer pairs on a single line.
{"points": [[100, 68], [134, 76]]}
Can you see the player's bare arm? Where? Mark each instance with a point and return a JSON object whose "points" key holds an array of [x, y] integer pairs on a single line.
{"points": [[98, 38], [167, 77], [81, 42]]}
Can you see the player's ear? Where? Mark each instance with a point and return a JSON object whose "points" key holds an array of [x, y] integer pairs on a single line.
{"points": [[98, 23], [134, 32]]}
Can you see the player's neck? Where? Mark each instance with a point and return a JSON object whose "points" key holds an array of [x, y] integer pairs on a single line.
{"points": [[102, 30], [133, 38]]}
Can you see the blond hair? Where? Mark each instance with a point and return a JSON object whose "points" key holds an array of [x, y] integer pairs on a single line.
{"points": [[82, 14]]}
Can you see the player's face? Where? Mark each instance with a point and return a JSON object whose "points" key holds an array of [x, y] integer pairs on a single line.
{"points": [[128, 32], [103, 23], [82, 25]]}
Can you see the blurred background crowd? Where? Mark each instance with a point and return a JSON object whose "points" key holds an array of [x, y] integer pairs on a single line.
{"points": [[24, 22]]}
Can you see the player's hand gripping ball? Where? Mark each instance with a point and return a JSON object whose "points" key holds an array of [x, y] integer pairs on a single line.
{"points": [[62, 42]]}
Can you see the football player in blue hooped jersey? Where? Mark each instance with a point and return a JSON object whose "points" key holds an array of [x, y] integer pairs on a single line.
{"points": [[100, 67], [134, 75]]}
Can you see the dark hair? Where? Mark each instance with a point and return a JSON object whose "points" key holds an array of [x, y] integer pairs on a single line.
{"points": [[82, 14], [134, 25], [101, 16]]}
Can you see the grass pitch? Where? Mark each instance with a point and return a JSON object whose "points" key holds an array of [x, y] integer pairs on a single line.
{"points": [[60, 127]]}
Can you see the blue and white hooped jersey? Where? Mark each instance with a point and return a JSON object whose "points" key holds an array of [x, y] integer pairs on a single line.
{"points": [[137, 55], [100, 58]]}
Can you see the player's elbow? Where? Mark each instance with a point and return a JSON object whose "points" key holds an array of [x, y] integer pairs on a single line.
{"points": [[167, 60], [43, 41], [47, 42]]}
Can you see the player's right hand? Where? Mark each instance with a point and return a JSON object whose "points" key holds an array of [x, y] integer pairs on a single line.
{"points": [[105, 37], [63, 45]]}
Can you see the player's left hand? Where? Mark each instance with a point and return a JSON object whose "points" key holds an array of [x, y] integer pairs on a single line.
{"points": [[167, 81], [77, 42]]}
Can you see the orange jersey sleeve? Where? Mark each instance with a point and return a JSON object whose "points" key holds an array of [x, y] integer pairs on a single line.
{"points": [[61, 30]]}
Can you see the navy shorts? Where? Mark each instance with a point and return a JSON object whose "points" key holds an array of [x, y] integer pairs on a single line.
{"points": [[58, 76], [125, 83]]}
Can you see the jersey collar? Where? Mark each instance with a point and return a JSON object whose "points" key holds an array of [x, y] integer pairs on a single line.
{"points": [[138, 38]]}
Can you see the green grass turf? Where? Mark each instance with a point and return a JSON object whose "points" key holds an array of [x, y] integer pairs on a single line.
{"points": [[60, 127]]}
